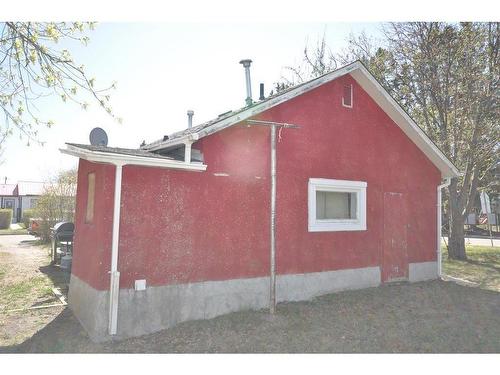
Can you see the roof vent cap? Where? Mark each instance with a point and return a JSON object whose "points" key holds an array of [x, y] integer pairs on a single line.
{"points": [[190, 114], [246, 64]]}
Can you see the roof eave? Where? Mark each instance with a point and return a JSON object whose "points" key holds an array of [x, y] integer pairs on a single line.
{"points": [[123, 159], [170, 143]]}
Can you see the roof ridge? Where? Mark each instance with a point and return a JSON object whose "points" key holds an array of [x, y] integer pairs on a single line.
{"points": [[225, 115]]}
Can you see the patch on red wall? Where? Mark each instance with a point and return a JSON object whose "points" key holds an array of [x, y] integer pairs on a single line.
{"points": [[395, 252]]}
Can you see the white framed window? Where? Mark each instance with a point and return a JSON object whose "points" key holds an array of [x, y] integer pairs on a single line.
{"points": [[347, 96], [336, 205]]}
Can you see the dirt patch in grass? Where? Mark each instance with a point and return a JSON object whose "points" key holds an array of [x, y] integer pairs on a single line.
{"points": [[12, 231], [26, 280], [481, 268]]}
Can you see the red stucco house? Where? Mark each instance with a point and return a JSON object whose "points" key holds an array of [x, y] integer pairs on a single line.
{"points": [[181, 228]]}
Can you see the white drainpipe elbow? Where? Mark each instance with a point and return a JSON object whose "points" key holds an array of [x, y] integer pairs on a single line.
{"points": [[439, 222]]}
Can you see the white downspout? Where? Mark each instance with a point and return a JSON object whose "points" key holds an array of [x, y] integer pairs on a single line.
{"points": [[439, 221], [114, 288], [272, 292], [187, 152]]}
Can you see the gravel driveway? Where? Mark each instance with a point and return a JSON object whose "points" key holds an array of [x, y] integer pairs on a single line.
{"points": [[26, 281], [434, 316]]}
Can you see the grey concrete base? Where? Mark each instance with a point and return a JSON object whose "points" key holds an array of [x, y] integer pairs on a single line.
{"points": [[423, 271], [91, 308], [161, 307], [299, 287]]}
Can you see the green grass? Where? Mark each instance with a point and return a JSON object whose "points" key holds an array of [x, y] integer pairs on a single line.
{"points": [[19, 289], [3, 266], [20, 294], [481, 267]]}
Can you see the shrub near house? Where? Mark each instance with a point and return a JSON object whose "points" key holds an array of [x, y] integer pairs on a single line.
{"points": [[57, 203], [27, 215], [5, 218]]}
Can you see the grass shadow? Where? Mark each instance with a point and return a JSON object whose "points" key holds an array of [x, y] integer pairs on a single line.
{"points": [[63, 334], [59, 277], [33, 242], [422, 317], [486, 264]]}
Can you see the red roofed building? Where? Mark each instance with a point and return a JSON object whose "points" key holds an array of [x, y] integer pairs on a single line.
{"points": [[20, 197]]}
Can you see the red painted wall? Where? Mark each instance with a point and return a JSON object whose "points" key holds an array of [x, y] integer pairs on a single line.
{"points": [[92, 241], [180, 226]]}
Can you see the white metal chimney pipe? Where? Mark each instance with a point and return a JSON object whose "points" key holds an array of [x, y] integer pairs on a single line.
{"points": [[190, 114], [246, 64]]}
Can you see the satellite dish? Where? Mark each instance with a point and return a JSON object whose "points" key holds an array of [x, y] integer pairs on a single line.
{"points": [[98, 137]]}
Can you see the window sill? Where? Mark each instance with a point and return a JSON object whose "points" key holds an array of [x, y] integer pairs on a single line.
{"points": [[336, 227]]}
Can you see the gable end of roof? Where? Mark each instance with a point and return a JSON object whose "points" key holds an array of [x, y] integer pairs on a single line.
{"points": [[364, 78]]}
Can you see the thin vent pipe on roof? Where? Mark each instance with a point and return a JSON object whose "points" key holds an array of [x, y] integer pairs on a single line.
{"points": [[246, 64], [262, 97], [190, 114]]}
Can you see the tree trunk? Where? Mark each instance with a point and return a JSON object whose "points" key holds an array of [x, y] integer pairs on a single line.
{"points": [[456, 241]]}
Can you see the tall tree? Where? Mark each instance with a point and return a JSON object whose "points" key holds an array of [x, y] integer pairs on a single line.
{"points": [[33, 66], [446, 76]]}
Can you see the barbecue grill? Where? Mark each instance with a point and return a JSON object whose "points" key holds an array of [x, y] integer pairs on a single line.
{"points": [[62, 243]]}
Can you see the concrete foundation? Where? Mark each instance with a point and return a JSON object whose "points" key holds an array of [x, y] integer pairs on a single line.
{"points": [[299, 287], [91, 308], [423, 271], [161, 307]]}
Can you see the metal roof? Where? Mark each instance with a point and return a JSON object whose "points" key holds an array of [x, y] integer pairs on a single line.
{"points": [[7, 189], [229, 114], [30, 187], [194, 129], [127, 156], [363, 77], [121, 151]]}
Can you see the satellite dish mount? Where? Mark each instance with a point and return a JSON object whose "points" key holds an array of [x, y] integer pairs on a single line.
{"points": [[98, 137]]}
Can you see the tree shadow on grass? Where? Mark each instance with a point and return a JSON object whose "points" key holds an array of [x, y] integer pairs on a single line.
{"points": [[63, 334], [441, 316], [487, 263], [59, 277]]}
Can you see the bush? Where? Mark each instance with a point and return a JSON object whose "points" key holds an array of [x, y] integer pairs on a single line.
{"points": [[5, 218], [57, 203], [27, 215]]}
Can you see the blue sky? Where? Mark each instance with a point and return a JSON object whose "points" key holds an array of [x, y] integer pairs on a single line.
{"points": [[162, 70]]}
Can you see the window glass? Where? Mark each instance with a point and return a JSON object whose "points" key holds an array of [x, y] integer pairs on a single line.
{"points": [[331, 205]]}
